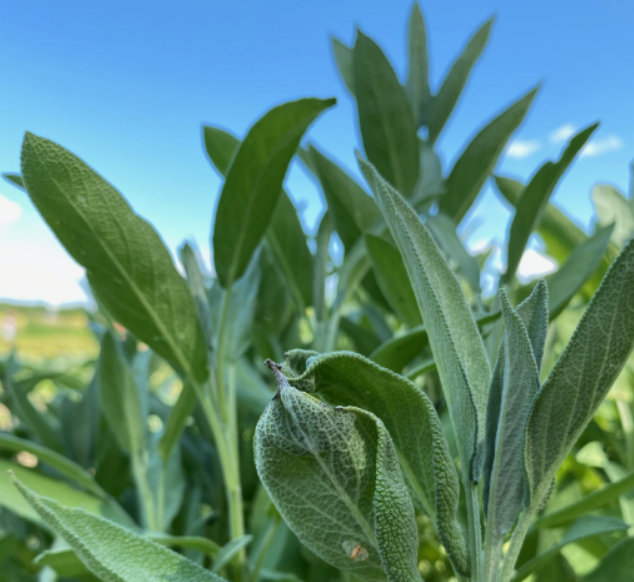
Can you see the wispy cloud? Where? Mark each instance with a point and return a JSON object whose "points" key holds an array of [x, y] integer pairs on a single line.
{"points": [[534, 264], [562, 133], [9, 211], [522, 148], [597, 147]]}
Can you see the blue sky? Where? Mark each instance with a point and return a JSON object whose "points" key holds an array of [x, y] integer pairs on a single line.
{"points": [[127, 86]]}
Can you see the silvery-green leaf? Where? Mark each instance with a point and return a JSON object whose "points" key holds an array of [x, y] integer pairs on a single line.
{"points": [[111, 552], [334, 476], [475, 164], [580, 264], [392, 278], [445, 100], [505, 484], [455, 341], [613, 208], [534, 199], [583, 374], [348, 379], [616, 564], [417, 75], [385, 117], [534, 311]]}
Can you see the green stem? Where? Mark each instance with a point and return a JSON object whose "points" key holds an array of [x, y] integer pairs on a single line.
{"points": [[492, 555], [515, 544], [263, 549], [475, 532], [146, 498]]}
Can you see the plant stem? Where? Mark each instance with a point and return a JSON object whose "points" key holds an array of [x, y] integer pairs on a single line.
{"points": [[515, 544], [492, 555], [475, 532]]}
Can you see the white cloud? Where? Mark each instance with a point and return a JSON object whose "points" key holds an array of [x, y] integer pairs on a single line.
{"points": [[597, 147], [534, 264], [522, 148], [9, 211], [562, 133]]}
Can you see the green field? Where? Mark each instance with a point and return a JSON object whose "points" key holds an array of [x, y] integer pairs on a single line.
{"points": [[42, 332]]}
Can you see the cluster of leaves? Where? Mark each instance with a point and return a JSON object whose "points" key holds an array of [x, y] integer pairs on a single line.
{"points": [[417, 426]]}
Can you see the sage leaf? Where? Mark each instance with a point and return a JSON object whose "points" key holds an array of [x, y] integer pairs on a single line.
{"points": [[111, 552], [11, 499], [444, 231], [120, 397], [348, 379], [285, 235], [586, 527], [455, 341], [125, 260], [613, 208], [534, 198], [353, 211], [445, 100], [418, 74], [616, 564], [392, 278], [334, 476], [519, 384], [254, 182], [581, 263], [582, 375], [385, 118], [475, 164], [344, 59], [14, 179], [588, 503]]}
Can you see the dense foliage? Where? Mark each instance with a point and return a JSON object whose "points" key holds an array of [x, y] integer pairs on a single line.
{"points": [[408, 426]]}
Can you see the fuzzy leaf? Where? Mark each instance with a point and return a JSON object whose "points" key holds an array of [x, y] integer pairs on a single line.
{"points": [[534, 199], [417, 76], [111, 552], [443, 103], [583, 374], [475, 164], [125, 260], [455, 341], [334, 476], [345, 378], [385, 118]]}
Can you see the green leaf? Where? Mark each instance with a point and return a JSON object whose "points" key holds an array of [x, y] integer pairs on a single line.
{"points": [[617, 564], [352, 210], [61, 464], [126, 262], [613, 208], [362, 519], [417, 76], [192, 263], [455, 341], [120, 398], [506, 483], [111, 552], [14, 179], [348, 379], [534, 198], [582, 262], [444, 231], [443, 103], [12, 500], [392, 278], [582, 375], [588, 503], [285, 234], [385, 117], [344, 58], [586, 527], [475, 164], [254, 182]]}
